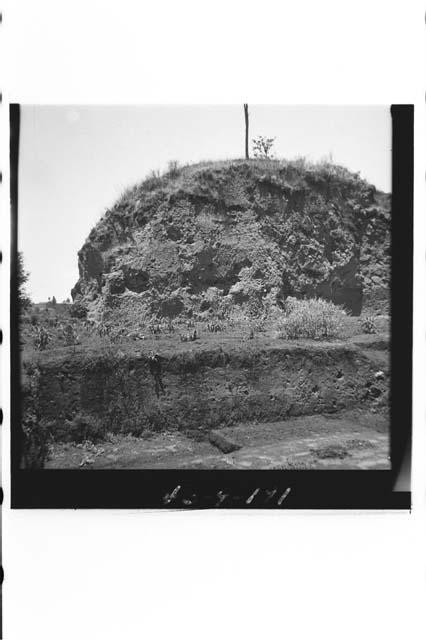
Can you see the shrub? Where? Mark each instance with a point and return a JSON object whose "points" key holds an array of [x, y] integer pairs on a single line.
{"points": [[262, 147], [259, 325], [36, 437], [52, 321], [225, 308], [290, 304], [254, 307], [156, 420], [36, 432], [69, 335], [174, 169], [314, 319], [78, 310], [84, 428], [301, 163], [368, 325], [42, 337], [22, 277], [152, 181]]}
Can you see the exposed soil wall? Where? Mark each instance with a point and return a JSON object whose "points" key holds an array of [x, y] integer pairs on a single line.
{"points": [[205, 389], [245, 228]]}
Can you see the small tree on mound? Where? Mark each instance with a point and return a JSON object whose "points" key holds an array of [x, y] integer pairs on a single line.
{"points": [[262, 147], [313, 319]]}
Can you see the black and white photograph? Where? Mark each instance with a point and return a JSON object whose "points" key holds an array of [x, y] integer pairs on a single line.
{"points": [[212, 336], [205, 287]]}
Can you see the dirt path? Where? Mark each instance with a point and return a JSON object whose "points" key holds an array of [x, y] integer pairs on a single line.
{"points": [[354, 439]]}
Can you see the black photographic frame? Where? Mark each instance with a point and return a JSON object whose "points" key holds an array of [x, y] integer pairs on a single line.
{"points": [[260, 489]]}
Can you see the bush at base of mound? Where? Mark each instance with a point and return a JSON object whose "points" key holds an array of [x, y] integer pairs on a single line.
{"points": [[315, 319]]}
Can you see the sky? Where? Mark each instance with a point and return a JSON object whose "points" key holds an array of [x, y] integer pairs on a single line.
{"points": [[75, 161]]}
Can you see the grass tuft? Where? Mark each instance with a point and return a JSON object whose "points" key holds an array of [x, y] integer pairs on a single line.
{"points": [[313, 319]]}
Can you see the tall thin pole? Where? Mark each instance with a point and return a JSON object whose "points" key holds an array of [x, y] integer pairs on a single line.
{"points": [[246, 116]]}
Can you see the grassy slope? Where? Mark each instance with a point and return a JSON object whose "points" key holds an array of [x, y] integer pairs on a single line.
{"points": [[91, 343]]}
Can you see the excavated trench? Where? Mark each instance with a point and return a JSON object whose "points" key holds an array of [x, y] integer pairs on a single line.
{"points": [[205, 388]]}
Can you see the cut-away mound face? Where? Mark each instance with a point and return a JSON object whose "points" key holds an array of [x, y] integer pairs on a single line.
{"points": [[204, 238]]}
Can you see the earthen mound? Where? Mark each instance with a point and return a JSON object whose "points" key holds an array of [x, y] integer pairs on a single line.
{"points": [[232, 232]]}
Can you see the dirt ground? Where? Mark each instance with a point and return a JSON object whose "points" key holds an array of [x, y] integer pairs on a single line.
{"points": [[355, 439]]}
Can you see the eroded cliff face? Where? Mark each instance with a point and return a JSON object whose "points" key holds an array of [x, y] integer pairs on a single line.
{"points": [[237, 231]]}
